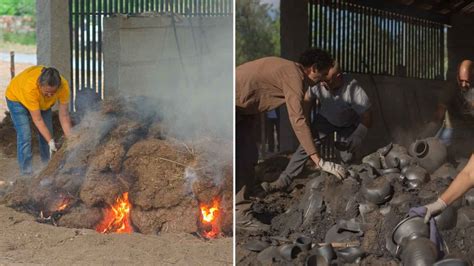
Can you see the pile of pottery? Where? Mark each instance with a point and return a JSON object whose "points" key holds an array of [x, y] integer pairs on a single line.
{"points": [[390, 167], [302, 249]]}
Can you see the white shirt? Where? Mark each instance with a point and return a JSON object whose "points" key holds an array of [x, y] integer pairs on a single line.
{"points": [[342, 107]]}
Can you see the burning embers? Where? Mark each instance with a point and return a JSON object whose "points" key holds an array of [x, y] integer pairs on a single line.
{"points": [[210, 219], [55, 208], [117, 217]]}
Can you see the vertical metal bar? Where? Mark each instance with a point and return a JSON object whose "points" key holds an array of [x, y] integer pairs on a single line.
{"points": [[71, 55], [433, 50], [433, 54], [365, 41], [99, 53], [409, 47], [415, 41], [330, 28], [88, 43], [418, 48], [425, 50], [347, 52], [94, 44], [389, 44], [360, 31], [343, 59], [387, 34], [400, 42], [325, 19], [320, 24], [83, 48], [377, 42], [350, 37], [370, 41], [392, 43], [383, 28], [441, 45], [76, 44], [311, 23]]}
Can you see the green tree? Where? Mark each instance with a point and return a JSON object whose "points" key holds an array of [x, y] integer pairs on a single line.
{"points": [[17, 7], [257, 34]]}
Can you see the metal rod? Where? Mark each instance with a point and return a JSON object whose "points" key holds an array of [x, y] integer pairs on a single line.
{"points": [[76, 46], [311, 23], [99, 53], [94, 44], [12, 64], [337, 30], [88, 43], [71, 54], [441, 45], [320, 24], [83, 48]]}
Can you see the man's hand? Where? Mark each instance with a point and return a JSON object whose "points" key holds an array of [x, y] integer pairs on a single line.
{"points": [[434, 209], [355, 139], [332, 168], [52, 147]]}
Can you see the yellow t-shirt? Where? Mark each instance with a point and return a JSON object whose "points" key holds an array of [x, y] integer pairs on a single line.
{"points": [[24, 88]]}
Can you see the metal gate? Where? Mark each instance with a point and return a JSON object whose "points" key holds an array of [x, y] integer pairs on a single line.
{"points": [[377, 41], [86, 26]]}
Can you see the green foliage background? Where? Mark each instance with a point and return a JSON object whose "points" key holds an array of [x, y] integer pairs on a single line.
{"points": [[17, 7], [257, 33]]}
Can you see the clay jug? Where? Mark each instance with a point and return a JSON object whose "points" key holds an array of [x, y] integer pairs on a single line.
{"points": [[430, 153]]}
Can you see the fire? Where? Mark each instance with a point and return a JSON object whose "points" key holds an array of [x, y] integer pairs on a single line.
{"points": [[62, 206], [117, 217], [210, 219]]}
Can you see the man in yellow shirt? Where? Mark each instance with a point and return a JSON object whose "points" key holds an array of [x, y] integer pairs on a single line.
{"points": [[34, 91]]}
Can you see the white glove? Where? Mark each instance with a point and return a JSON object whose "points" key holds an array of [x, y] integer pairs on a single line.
{"points": [[332, 168], [434, 209], [52, 147], [355, 139]]}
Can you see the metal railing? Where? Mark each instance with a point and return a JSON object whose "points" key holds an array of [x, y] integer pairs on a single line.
{"points": [[374, 41], [86, 26]]}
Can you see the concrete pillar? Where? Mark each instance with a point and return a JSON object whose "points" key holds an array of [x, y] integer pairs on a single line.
{"points": [[294, 30], [52, 35], [460, 42]]}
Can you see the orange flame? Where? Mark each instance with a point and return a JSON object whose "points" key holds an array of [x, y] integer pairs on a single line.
{"points": [[117, 217], [62, 206], [210, 218]]}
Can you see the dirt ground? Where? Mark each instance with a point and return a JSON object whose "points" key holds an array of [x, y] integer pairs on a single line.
{"points": [[24, 241]]}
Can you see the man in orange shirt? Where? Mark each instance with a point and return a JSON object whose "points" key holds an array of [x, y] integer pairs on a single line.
{"points": [[33, 92]]}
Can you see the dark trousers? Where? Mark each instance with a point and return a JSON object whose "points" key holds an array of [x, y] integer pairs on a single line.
{"points": [[246, 151], [321, 128]]}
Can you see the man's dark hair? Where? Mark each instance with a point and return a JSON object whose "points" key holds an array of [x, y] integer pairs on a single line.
{"points": [[50, 77], [317, 57]]}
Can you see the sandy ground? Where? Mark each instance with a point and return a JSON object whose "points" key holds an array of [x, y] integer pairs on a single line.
{"points": [[24, 241], [5, 79]]}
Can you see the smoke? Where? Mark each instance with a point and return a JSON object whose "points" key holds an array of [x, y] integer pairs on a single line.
{"points": [[189, 74], [184, 66]]}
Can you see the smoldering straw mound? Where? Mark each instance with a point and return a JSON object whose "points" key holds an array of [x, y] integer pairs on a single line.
{"points": [[124, 147]]}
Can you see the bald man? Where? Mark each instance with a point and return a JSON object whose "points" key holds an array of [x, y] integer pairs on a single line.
{"points": [[460, 112], [341, 106], [455, 113]]}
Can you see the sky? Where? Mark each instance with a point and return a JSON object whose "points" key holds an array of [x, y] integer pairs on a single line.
{"points": [[275, 3]]}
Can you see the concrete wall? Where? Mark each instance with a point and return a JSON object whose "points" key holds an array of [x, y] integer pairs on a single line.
{"points": [[460, 42], [143, 54], [52, 35]]}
